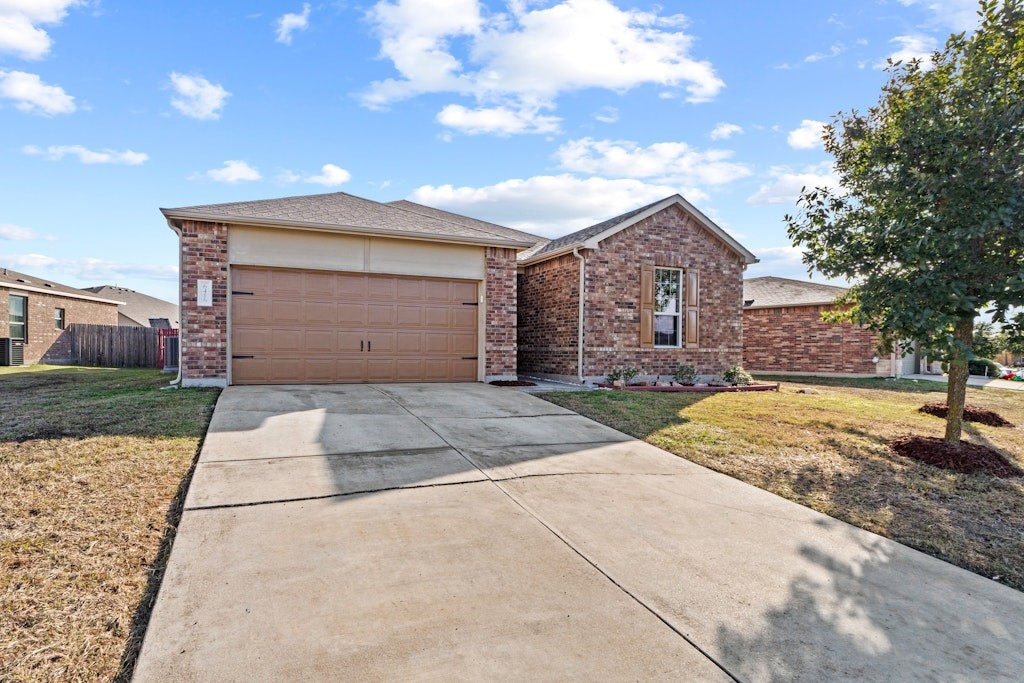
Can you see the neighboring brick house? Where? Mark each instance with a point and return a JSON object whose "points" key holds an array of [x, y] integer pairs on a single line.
{"points": [[654, 288], [337, 288], [783, 333], [39, 312], [138, 309]]}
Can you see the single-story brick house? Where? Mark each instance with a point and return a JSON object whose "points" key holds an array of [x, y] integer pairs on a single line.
{"points": [[654, 288], [138, 309], [783, 333], [39, 312], [336, 288]]}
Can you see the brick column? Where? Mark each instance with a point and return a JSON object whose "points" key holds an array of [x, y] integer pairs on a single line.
{"points": [[500, 334], [204, 329]]}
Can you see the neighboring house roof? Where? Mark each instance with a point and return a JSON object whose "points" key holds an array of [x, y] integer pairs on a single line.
{"points": [[29, 283], [138, 307], [589, 238], [776, 292], [342, 212], [493, 228]]}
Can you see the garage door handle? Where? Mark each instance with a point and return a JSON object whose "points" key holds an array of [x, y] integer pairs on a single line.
{"points": [[234, 357], [237, 293], [470, 358], [360, 345], [369, 346]]}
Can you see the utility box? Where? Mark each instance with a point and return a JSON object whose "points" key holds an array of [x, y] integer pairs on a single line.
{"points": [[12, 351]]}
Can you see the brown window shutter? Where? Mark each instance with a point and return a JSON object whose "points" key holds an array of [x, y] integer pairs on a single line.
{"points": [[692, 334], [646, 306]]}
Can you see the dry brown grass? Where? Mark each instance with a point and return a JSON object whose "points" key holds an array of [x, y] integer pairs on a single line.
{"points": [[827, 450], [92, 465]]}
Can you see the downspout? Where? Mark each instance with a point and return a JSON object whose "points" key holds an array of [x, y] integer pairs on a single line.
{"points": [[176, 382], [579, 321]]}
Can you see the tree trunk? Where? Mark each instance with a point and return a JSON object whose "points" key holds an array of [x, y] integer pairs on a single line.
{"points": [[956, 390]]}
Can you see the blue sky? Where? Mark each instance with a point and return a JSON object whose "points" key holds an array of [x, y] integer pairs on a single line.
{"points": [[547, 116]]}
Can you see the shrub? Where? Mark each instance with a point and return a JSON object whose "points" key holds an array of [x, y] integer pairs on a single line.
{"points": [[613, 376], [629, 374], [685, 375], [737, 375], [983, 366], [625, 374]]}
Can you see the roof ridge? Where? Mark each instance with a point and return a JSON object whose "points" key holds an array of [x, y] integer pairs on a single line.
{"points": [[478, 220]]}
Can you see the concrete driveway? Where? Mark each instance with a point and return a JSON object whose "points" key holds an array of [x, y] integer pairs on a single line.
{"points": [[466, 532]]}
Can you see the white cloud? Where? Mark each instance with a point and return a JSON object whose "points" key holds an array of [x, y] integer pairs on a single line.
{"points": [[289, 23], [670, 162], [19, 33], [833, 51], [330, 176], [90, 269], [724, 131], [33, 96], [197, 97], [607, 115], [233, 171], [525, 58], [16, 233], [958, 15], [88, 156], [912, 47], [786, 183], [498, 120], [807, 135], [549, 205]]}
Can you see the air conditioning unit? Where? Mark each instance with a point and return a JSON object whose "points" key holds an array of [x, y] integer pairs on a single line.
{"points": [[12, 351]]}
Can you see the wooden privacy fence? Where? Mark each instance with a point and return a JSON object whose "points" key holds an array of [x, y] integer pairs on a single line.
{"points": [[111, 346]]}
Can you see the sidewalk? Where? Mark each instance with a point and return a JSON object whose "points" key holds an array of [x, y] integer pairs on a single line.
{"points": [[973, 381]]}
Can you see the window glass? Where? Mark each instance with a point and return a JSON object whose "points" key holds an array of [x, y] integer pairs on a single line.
{"points": [[58, 318], [667, 289], [18, 317]]}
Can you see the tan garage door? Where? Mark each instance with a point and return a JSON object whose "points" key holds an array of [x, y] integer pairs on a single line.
{"points": [[304, 326]]}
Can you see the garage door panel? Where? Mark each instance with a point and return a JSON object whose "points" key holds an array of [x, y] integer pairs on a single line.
{"points": [[249, 310], [380, 315], [463, 344], [319, 312], [463, 291], [351, 315], [319, 326], [319, 341], [464, 318]]}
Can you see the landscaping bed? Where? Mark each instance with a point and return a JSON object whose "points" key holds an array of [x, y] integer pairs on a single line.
{"points": [[829, 450], [698, 388], [93, 468]]}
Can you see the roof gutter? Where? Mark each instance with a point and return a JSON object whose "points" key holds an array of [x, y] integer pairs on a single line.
{"points": [[56, 292]]}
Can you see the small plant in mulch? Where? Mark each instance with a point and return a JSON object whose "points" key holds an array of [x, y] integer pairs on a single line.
{"points": [[512, 383], [971, 414], [966, 458]]}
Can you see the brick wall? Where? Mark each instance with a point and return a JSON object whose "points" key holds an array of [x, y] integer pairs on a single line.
{"points": [[549, 317], [670, 238], [796, 339], [500, 332], [45, 343], [204, 330]]}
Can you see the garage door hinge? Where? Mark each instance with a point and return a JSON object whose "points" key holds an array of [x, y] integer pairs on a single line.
{"points": [[234, 357], [470, 358], [470, 303], [242, 293]]}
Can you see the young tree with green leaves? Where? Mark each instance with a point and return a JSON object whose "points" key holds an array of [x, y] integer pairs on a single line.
{"points": [[928, 218]]}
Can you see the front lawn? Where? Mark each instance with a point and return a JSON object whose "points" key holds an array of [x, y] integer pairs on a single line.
{"points": [[93, 464], [827, 450]]}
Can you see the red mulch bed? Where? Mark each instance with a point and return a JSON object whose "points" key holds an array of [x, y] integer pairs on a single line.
{"points": [[703, 387], [967, 458], [971, 414], [513, 383]]}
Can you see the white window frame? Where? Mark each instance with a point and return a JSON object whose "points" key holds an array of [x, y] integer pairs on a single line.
{"points": [[678, 313]]}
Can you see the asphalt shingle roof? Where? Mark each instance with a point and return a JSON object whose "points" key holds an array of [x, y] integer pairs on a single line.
{"points": [[341, 211], [493, 228], [15, 280], [581, 236], [137, 306], [770, 292]]}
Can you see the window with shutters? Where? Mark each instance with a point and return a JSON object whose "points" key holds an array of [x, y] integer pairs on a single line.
{"points": [[669, 307], [668, 287]]}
